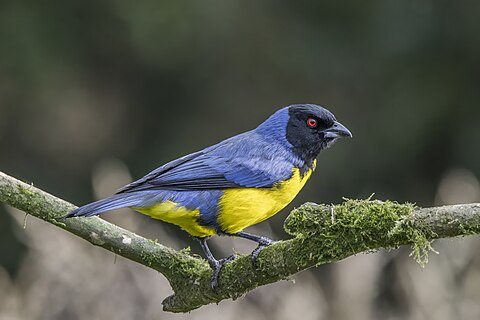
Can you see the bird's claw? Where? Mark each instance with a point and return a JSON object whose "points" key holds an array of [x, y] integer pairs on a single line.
{"points": [[262, 245], [217, 268]]}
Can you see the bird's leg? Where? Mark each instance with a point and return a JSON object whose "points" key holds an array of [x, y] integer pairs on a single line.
{"points": [[215, 264], [262, 241]]}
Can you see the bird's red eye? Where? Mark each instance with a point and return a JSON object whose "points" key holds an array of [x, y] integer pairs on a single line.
{"points": [[312, 123]]}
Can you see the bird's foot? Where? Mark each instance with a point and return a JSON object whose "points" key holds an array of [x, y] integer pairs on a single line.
{"points": [[217, 266], [262, 244]]}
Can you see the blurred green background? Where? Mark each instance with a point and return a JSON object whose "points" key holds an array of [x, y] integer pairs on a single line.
{"points": [[94, 94]]}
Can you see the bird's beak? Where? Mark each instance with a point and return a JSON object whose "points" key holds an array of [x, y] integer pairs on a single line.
{"points": [[337, 130]]}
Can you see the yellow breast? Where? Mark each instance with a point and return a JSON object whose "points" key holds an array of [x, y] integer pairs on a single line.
{"points": [[242, 207]]}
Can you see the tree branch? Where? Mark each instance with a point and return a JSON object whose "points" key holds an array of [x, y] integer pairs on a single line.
{"points": [[322, 234]]}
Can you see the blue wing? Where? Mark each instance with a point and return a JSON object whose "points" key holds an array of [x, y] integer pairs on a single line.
{"points": [[183, 174], [242, 161], [196, 180]]}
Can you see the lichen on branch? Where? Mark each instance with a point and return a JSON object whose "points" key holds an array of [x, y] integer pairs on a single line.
{"points": [[321, 234], [359, 225]]}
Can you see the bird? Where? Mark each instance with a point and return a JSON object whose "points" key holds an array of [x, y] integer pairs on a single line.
{"points": [[234, 184]]}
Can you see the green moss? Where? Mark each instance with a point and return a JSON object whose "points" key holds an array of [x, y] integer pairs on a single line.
{"points": [[26, 191], [58, 223], [354, 226], [185, 250], [421, 246], [470, 229]]}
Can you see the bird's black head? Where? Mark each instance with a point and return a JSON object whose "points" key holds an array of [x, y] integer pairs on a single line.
{"points": [[311, 128]]}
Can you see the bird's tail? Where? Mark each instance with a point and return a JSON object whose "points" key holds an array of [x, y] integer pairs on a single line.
{"points": [[111, 203]]}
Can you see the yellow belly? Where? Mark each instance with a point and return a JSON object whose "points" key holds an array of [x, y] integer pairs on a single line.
{"points": [[242, 207], [238, 208], [186, 219]]}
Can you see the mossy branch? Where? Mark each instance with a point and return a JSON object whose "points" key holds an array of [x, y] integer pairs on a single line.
{"points": [[322, 234]]}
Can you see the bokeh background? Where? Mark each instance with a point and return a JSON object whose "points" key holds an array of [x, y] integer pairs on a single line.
{"points": [[94, 94]]}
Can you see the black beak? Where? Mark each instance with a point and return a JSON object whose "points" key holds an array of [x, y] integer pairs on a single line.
{"points": [[337, 130]]}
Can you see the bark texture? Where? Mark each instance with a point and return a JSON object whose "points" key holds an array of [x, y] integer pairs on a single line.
{"points": [[320, 234]]}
